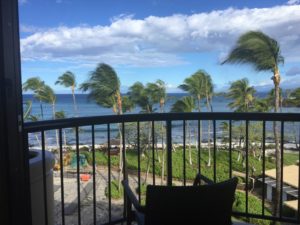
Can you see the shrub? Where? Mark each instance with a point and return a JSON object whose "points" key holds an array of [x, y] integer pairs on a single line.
{"points": [[115, 192]]}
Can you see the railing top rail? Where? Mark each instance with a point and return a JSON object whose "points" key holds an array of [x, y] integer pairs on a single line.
{"points": [[98, 120]]}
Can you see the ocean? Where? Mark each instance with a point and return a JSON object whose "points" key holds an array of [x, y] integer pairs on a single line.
{"points": [[86, 107]]}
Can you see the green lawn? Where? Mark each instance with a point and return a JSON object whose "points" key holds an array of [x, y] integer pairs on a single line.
{"points": [[222, 171], [222, 163]]}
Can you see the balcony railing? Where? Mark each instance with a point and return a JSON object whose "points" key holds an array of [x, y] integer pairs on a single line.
{"points": [[142, 139]]}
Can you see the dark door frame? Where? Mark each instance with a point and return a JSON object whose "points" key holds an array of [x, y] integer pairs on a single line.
{"points": [[14, 169]]}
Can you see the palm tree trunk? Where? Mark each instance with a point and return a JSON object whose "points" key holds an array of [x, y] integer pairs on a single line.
{"points": [[120, 112], [56, 131], [148, 146], [276, 80], [163, 167], [208, 134], [42, 111], [38, 140], [190, 150], [200, 128], [74, 102]]}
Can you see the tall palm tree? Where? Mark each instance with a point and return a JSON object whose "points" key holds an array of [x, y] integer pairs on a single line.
{"points": [[35, 84], [62, 115], [47, 95], [141, 96], [208, 92], [68, 79], [157, 92], [104, 88], [272, 98], [242, 95], [194, 85], [186, 104], [27, 110], [262, 52]]}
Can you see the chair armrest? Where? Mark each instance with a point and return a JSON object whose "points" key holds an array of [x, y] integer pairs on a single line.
{"points": [[130, 195], [200, 177]]}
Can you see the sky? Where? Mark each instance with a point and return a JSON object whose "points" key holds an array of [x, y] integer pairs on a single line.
{"points": [[154, 39]]}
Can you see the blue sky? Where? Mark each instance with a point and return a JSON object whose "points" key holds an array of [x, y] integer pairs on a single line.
{"points": [[154, 39]]}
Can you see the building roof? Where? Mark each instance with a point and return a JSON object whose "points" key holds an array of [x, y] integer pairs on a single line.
{"points": [[292, 204], [290, 175]]}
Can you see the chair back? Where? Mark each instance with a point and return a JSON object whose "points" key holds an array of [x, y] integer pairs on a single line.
{"points": [[207, 204]]}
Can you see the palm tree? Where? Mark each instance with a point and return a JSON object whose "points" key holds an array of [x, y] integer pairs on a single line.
{"points": [[186, 104], [194, 85], [104, 88], [68, 79], [157, 92], [33, 118], [242, 95], [271, 98], [141, 96], [47, 95], [27, 110], [208, 92], [127, 104], [262, 52], [35, 84], [62, 115]]}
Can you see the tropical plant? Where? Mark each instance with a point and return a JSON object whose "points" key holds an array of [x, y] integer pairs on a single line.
{"points": [[194, 85], [157, 92], [104, 88], [141, 96], [186, 104], [47, 95], [68, 79], [242, 95], [33, 118], [208, 92], [27, 110], [35, 84], [263, 53], [62, 115]]}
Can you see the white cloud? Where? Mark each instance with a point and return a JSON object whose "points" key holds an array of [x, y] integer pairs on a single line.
{"points": [[293, 2], [158, 41]]}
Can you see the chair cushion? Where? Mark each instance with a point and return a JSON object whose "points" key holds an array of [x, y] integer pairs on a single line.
{"points": [[208, 204]]}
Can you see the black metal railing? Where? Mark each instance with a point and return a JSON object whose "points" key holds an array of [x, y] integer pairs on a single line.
{"points": [[170, 124]]}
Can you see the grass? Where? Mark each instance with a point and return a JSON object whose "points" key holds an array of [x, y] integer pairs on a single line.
{"points": [[254, 206], [222, 163], [115, 192]]}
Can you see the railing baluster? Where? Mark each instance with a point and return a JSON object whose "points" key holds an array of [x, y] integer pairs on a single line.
{"points": [[153, 154], [230, 148], [61, 178], [125, 175], [215, 151], [109, 172], [44, 178], [199, 147], [94, 174], [139, 160], [78, 176], [247, 163], [281, 164], [298, 216], [184, 153], [169, 153], [264, 166]]}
